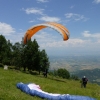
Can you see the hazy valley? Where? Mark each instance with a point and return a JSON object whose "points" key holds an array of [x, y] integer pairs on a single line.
{"points": [[78, 65]]}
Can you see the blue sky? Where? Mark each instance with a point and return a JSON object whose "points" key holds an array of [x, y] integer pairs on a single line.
{"points": [[80, 17]]}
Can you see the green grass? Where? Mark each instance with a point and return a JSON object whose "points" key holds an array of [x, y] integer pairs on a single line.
{"points": [[9, 91]]}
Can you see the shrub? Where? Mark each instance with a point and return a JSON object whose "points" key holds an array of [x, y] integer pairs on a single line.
{"points": [[63, 73]]}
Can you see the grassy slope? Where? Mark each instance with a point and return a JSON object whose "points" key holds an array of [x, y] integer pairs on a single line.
{"points": [[9, 79]]}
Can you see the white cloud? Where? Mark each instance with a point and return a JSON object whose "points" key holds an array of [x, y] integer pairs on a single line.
{"points": [[51, 19], [16, 37], [43, 1], [43, 36], [52, 42], [40, 12], [63, 44], [76, 41], [33, 11], [88, 34], [74, 45], [99, 41], [46, 40], [96, 1], [6, 29], [76, 17]]}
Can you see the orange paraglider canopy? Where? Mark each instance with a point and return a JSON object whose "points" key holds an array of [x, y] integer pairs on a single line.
{"points": [[58, 27]]}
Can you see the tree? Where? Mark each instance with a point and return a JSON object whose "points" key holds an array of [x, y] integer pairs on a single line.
{"points": [[34, 59], [5, 50], [16, 53], [3, 44], [27, 56], [36, 56], [44, 60], [63, 73]]}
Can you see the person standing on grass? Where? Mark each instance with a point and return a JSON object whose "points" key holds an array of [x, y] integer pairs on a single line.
{"points": [[84, 81]]}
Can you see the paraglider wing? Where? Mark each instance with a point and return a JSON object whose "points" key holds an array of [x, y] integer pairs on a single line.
{"points": [[58, 27], [35, 90]]}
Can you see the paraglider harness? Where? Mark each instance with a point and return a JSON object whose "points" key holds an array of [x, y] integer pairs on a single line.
{"points": [[84, 80]]}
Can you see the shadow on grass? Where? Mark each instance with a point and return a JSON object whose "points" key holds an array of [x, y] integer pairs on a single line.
{"points": [[53, 78], [42, 76], [59, 80], [31, 72]]}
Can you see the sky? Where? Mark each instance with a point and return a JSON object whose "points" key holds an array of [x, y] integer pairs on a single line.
{"points": [[80, 17]]}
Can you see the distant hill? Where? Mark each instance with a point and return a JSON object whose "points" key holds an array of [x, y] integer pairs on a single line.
{"points": [[79, 65], [74, 63], [93, 75]]}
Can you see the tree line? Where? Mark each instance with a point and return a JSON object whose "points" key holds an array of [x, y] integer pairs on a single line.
{"points": [[29, 56]]}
